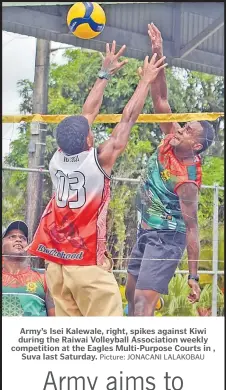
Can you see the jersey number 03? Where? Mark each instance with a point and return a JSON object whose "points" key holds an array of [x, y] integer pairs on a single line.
{"points": [[71, 186]]}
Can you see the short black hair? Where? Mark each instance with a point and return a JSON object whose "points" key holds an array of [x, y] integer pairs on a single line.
{"points": [[71, 134], [207, 136]]}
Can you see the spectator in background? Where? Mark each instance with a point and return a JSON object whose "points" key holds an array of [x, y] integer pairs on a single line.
{"points": [[24, 290]]}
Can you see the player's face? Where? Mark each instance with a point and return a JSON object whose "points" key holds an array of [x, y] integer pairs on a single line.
{"points": [[14, 243], [187, 137]]}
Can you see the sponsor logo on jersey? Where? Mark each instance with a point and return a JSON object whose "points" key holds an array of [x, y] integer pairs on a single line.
{"points": [[62, 255], [71, 159]]}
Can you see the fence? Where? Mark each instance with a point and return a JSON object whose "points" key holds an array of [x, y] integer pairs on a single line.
{"points": [[121, 254], [217, 262]]}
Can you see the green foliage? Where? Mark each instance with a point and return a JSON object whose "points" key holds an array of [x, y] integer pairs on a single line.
{"points": [[213, 172], [205, 301], [69, 85], [25, 89], [13, 203], [177, 303], [14, 182]]}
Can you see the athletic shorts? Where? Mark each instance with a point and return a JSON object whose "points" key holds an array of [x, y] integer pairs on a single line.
{"points": [[155, 257]]}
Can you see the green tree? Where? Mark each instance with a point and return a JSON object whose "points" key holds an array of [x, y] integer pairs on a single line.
{"points": [[69, 85]]}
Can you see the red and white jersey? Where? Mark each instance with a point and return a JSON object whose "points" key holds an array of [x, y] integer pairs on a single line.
{"points": [[72, 230]]}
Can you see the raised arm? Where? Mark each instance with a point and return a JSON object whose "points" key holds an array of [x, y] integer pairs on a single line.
{"points": [[110, 66], [158, 88], [109, 151], [188, 195]]}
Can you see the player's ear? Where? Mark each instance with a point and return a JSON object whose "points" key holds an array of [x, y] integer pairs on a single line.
{"points": [[197, 147]]}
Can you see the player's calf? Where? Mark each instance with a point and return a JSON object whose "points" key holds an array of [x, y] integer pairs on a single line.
{"points": [[130, 291], [145, 302]]}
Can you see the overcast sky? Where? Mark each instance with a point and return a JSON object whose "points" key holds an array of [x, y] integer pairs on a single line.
{"points": [[18, 52]]}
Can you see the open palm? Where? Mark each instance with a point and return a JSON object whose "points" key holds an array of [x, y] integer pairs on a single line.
{"points": [[111, 62]]}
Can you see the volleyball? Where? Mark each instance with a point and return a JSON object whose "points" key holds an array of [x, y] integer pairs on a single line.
{"points": [[86, 20]]}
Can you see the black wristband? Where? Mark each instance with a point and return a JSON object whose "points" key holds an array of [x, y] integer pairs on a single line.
{"points": [[193, 277]]}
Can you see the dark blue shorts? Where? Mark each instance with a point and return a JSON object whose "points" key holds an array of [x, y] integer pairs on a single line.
{"points": [[155, 257]]}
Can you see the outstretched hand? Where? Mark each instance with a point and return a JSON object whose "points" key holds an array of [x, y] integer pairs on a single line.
{"points": [[151, 69], [155, 36], [110, 61]]}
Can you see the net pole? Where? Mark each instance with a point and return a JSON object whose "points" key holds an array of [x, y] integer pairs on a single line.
{"points": [[215, 250]]}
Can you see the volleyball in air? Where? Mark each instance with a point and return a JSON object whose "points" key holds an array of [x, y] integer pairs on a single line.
{"points": [[86, 20]]}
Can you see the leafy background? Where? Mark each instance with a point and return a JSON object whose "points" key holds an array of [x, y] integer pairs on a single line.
{"points": [[189, 91]]}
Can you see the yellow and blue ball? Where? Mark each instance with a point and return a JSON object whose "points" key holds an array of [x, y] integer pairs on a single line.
{"points": [[86, 20]]}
